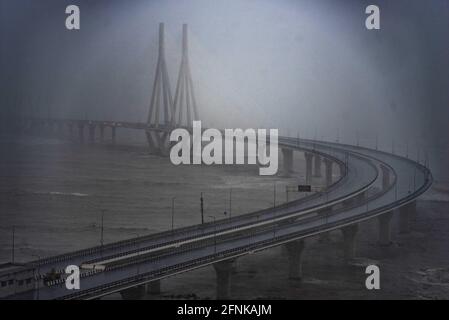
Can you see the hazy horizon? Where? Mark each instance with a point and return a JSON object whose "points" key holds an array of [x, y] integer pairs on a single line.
{"points": [[301, 66]]}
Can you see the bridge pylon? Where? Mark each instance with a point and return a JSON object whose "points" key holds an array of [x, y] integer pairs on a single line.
{"points": [[185, 107], [160, 115]]}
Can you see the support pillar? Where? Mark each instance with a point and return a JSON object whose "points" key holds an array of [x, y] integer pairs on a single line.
{"points": [[91, 133], [385, 177], [317, 171], [325, 213], [31, 126], [406, 214], [41, 127], [328, 165], [287, 155], [60, 129], [151, 142], [385, 228], [159, 144], [164, 145], [70, 130], [412, 211], [102, 133], [349, 202], [114, 136], [134, 293], [223, 271], [81, 133], [54, 128], [342, 169], [360, 198], [47, 127], [154, 287], [294, 251], [349, 237], [309, 158]]}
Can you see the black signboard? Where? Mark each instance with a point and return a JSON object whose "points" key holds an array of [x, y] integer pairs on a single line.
{"points": [[304, 188]]}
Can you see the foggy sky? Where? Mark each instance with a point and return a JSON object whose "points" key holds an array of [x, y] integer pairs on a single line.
{"points": [[307, 66]]}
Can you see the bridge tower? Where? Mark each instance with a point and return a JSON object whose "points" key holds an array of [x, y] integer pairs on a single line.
{"points": [[185, 107], [160, 116]]}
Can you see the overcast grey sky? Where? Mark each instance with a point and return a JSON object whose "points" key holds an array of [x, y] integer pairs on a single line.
{"points": [[304, 65]]}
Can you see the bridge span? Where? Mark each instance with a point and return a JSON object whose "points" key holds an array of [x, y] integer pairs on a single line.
{"points": [[372, 184]]}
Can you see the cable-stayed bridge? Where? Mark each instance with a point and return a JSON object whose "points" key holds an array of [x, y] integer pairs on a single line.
{"points": [[371, 184]]}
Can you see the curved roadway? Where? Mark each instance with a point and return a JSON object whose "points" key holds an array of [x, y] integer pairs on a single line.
{"points": [[141, 260]]}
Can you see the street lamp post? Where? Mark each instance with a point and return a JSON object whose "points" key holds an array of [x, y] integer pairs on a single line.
{"points": [[102, 228], [286, 193], [396, 190], [418, 155], [202, 208], [138, 249], [274, 195], [215, 234], [13, 243], [406, 149], [38, 275], [230, 203], [414, 179], [172, 213]]}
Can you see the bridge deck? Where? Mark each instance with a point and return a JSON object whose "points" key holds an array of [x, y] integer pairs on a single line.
{"points": [[135, 261]]}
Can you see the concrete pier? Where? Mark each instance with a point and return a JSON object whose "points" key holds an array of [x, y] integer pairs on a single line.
{"points": [[150, 141], [91, 133], [342, 169], [287, 156], [317, 168], [349, 202], [47, 128], [71, 130], [385, 228], [114, 135], [324, 213], [295, 250], [385, 177], [81, 133], [159, 144], [309, 158], [134, 293], [154, 287], [328, 171], [60, 129], [412, 211], [407, 213], [102, 133], [349, 237], [360, 198], [223, 270]]}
